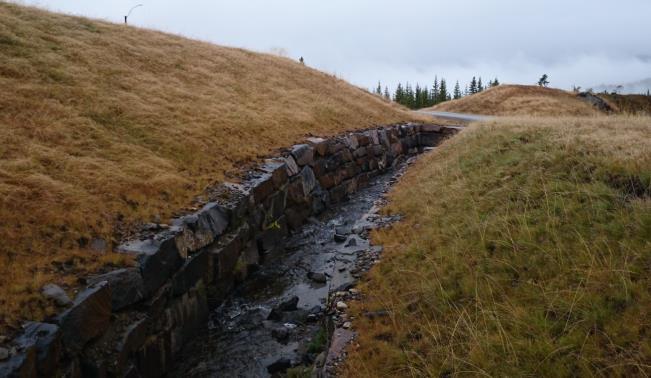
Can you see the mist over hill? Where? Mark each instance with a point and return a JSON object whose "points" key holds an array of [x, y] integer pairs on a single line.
{"points": [[636, 87]]}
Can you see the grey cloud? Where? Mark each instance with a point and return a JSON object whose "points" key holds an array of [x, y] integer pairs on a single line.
{"points": [[576, 42]]}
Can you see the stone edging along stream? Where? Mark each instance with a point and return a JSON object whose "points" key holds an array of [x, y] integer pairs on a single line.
{"points": [[135, 321]]}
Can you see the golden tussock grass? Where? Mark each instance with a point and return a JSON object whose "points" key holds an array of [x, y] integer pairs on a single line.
{"points": [[105, 125], [516, 100], [525, 250]]}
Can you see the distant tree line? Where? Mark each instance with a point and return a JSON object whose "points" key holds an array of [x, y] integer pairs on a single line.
{"points": [[417, 97]]}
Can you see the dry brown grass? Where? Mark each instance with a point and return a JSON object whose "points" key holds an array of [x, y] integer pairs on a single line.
{"points": [[514, 100], [630, 104], [104, 124], [525, 250]]}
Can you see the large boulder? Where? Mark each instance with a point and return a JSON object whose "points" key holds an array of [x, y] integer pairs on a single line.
{"points": [[127, 287], [88, 318], [158, 258], [303, 154]]}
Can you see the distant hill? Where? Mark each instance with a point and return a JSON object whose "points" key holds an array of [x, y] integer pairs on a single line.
{"points": [[520, 100], [105, 125], [637, 87]]}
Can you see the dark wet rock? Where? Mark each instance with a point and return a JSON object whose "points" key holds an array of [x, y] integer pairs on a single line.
{"points": [[281, 334], [339, 238], [278, 170], [226, 254], [292, 167], [155, 357], [197, 267], [309, 180], [317, 277], [289, 317], [4, 353], [158, 258], [261, 187], [280, 366], [88, 318], [132, 340], [290, 304], [127, 287], [201, 228], [38, 349], [57, 294], [21, 365], [320, 145], [352, 242], [303, 154]]}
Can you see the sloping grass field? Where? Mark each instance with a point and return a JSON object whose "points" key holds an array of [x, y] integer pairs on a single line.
{"points": [[525, 250], [519, 100], [105, 126]]}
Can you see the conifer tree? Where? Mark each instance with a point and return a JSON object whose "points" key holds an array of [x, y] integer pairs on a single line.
{"points": [[417, 99], [435, 91], [496, 82], [387, 96], [399, 95], [443, 91], [480, 86], [457, 91], [473, 86], [378, 90]]}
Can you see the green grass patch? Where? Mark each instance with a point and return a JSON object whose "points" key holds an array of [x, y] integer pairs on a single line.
{"points": [[525, 251]]}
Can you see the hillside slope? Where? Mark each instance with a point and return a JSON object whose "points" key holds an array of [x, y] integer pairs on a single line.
{"points": [[510, 100], [105, 125], [523, 251]]}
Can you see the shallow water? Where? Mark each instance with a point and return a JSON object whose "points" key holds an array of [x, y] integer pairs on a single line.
{"points": [[240, 339]]}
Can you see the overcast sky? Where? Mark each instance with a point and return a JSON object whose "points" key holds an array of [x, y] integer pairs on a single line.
{"points": [[576, 42]]}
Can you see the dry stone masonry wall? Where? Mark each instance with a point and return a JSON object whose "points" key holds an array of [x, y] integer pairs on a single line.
{"points": [[135, 321]]}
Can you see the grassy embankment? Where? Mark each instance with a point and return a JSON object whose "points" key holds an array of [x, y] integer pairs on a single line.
{"points": [[525, 250], [519, 100], [104, 126]]}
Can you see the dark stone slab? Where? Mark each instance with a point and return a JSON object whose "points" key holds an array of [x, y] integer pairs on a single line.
{"points": [[261, 187], [308, 180], [155, 357], [303, 154], [278, 170], [158, 258], [320, 145], [88, 318], [127, 287], [225, 257], [187, 316], [197, 267], [296, 192], [360, 152], [351, 141], [363, 139], [44, 341], [292, 167], [132, 340], [21, 365], [275, 206]]}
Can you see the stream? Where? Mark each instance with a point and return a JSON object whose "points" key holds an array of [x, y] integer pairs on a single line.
{"points": [[276, 319]]}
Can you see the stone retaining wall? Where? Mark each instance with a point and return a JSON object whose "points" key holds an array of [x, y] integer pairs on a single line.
{"points": [[134, 321]]}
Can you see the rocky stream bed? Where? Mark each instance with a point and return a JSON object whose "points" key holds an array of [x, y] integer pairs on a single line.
{"points": [[291, 314]]}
